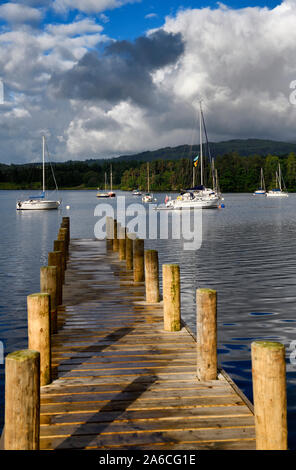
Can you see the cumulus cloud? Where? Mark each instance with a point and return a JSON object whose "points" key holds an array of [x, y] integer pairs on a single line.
{"points": [[19, 14], [132, 96], [123, 72], [90, 6]]}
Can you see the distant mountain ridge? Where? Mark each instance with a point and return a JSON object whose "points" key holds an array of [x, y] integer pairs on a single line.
{"points": [[243, 147]]}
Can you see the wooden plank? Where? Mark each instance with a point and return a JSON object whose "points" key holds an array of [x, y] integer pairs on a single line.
{"points": [[145, 427], [140, 394], [145, 415], [132, 439]]}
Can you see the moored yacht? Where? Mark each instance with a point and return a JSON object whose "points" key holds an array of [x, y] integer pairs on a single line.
{"points": [[198, 197], [278, 191], [39, 202], [261, 191]]}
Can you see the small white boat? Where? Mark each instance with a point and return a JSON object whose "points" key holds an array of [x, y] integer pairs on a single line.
{"points": [[39, 202], [35, 204], [278, 191], [261, 191], [147, 197], [137, 192]]}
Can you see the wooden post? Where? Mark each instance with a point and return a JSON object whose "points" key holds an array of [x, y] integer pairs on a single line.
{"points": [[22, 400], [151, 276], [122, 243], [138, 248], [206, 309], [66, 223], [59, 245], [171, 297], [269, 390], [48, 284], [129, 250], [39, 332], [63, 235], [115, 239], [109, 233], [55, 258]]}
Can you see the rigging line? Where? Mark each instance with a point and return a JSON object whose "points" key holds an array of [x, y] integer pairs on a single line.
{"points": [[52, 172], [208, 144]]}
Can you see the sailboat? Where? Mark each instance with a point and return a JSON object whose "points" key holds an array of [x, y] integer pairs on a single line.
{"points": [[39, 202], [137, 192], [147, 197], [110, 193], [261, 191], [198, 197], [278, 191]]}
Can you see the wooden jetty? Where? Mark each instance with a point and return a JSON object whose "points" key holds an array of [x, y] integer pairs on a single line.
{"points": [[120, 381]]}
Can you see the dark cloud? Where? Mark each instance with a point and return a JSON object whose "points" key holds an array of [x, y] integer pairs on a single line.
{"points": [[122, 72]]}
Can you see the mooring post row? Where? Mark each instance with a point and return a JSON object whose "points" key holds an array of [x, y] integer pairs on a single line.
{"points": [[27, 370]]}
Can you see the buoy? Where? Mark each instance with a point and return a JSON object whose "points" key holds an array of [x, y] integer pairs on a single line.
{"points": [[67, 207]]}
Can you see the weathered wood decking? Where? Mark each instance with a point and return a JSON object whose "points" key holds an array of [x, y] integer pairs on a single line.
{"points": [[121, 382]]}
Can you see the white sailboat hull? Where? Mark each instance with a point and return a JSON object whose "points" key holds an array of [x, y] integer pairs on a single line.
{"points": [[277, 194], [37, 205], [259, 193], [197, 203]]}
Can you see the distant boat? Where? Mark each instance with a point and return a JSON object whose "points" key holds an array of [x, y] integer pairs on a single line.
{"points": [[137, 192], [39, 202], [147, 197], [110, 193], [261, 191], [278, 191]]}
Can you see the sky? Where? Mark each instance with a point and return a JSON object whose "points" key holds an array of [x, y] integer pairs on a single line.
{"points": [[103, 78]]}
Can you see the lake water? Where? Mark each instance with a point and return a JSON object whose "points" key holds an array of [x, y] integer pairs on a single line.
{"points": [[248, 254]]}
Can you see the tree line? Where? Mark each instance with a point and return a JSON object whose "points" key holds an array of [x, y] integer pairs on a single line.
{"points": [[236, 173]]}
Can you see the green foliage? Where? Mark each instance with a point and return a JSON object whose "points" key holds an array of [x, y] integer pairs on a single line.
{"points": [[237, 173]]}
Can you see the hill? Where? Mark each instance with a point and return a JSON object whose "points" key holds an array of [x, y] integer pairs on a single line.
{"points": [[244, 147]]}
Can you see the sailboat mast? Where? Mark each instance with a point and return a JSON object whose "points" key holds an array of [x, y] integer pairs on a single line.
{"points": [[111, 182], [105, 181], [200, 143], [148, 177], [43, 164]]}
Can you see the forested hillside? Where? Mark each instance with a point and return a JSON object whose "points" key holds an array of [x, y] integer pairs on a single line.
{"points": [[236, 173]]}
